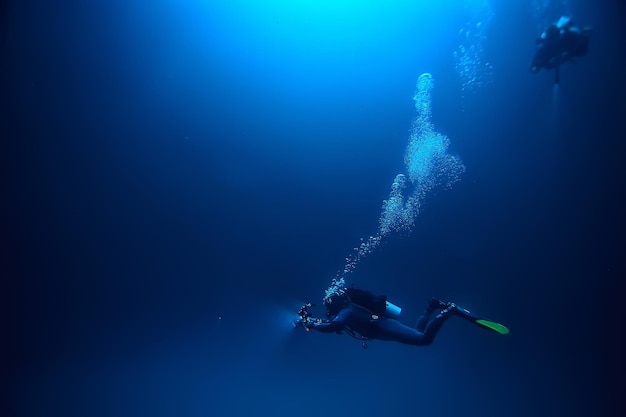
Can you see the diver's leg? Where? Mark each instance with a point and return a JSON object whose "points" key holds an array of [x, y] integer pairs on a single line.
{"points": [[433, 305], [422, 320], [390, 329], [435, 325]]}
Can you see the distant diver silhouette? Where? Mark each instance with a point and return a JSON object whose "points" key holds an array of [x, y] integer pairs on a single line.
{"points": [[561, 42]]}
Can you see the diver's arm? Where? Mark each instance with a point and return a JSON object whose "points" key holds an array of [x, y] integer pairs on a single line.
{"points": [[336, 325], [327, 327]]}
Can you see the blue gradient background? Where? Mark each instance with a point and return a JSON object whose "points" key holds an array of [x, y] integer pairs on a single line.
{"points": [[179, 176]]}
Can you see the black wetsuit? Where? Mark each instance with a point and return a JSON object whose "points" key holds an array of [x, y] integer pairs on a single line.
{"points": [[369, 322]]}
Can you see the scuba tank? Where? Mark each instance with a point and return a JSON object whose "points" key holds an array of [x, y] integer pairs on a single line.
{"points": [[392, 310]]}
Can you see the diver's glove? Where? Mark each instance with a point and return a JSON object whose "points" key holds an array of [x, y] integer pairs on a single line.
{"points": [[304, 310], [304, 316], [306, 322], [306, 319]]}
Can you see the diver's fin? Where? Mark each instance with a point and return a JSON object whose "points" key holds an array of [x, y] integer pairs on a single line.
{"points": [[482, 322], [492, 325]]}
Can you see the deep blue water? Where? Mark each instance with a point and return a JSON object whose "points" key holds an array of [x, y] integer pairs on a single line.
{"points": [[179, 177]]}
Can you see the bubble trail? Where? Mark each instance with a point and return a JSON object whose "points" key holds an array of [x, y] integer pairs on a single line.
{"points": [[428, 165], [473, 69]]}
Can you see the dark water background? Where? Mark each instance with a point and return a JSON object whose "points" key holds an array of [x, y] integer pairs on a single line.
{"points": [[178, 177]]}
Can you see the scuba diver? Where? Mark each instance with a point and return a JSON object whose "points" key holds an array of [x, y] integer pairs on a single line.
{"points": [[366, 316], [560, 42]]}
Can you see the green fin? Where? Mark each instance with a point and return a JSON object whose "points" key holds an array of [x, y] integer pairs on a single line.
{"points": [[492, 325]]}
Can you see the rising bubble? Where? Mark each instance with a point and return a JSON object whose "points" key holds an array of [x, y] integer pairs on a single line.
{"points": [[428, 165]]}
